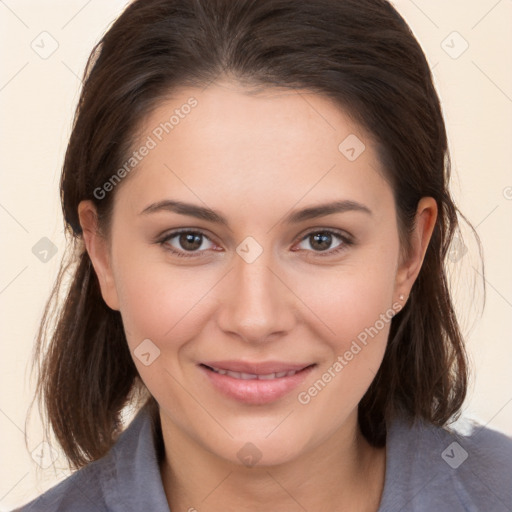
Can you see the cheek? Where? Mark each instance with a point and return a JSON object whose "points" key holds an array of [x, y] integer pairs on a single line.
{"points": [[355, 309], [352, 298], [161, 304], [157, 300]]}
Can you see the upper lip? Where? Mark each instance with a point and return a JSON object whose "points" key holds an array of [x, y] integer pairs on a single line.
{"points": [[261, 368]]}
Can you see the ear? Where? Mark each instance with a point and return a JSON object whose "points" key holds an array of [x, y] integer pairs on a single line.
{"points": [[409, 268], [99, 252]]}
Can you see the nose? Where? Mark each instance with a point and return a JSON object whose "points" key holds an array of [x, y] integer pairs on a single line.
{"points": [[256, 302]]}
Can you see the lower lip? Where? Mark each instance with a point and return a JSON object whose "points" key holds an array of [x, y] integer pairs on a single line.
{"points": [[255, 391]]}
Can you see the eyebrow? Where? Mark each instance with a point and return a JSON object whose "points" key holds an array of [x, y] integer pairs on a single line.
{"points": [[295, 217]]}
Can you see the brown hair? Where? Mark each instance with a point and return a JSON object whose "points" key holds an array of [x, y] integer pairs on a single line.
{"points": [[361, 54]]}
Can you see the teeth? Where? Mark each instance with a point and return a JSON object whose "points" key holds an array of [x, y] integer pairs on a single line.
{"points": [[247, 376], [267, 377]]}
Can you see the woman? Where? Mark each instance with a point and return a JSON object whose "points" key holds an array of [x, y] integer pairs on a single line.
{"points": [[258, 193]]}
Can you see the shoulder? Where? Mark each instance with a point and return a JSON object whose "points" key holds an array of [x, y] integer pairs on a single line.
{"points": [[465, 466], [480, 462], [82, 491], [127, 478]]}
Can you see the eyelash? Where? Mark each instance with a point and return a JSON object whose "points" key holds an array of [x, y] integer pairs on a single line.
{"points": [[347, 242]]}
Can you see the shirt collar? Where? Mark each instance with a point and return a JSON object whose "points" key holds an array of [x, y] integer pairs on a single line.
{"points": [[132, 481]]}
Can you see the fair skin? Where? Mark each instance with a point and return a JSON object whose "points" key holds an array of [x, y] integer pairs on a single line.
{"points": [[290, 304]]}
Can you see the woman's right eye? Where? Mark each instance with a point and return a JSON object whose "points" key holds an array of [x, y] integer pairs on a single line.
{"points": [[186, 243]]}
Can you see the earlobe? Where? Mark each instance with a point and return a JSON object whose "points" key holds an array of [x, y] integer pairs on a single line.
{"points": [[426, 216], [98, 250]]}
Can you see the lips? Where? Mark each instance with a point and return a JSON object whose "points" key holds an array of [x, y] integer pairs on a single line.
{"points": [[255, 383]]}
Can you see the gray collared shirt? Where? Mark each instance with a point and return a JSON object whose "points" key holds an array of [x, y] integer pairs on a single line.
{"points": [[427, 469]]}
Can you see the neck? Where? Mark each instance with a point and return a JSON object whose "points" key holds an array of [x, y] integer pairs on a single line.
{"points": [[343, 473]]}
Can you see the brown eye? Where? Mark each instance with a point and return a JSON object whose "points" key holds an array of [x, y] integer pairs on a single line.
{"points": [[321, 242], [190, 241], [182, 242]]}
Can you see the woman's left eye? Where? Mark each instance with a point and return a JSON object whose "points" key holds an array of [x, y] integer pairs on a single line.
{"points": [[321, 241], [189, 243]]}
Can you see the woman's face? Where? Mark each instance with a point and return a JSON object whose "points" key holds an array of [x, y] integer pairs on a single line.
{"points": [[275, 286]]}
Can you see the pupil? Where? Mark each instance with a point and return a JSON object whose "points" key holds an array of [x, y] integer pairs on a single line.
{"points": [[190, 241], [324, 240]]}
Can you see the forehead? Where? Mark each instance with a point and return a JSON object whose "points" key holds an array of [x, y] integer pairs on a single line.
{"points": [[274, 146]]}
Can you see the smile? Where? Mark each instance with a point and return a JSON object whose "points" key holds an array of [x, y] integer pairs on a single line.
{"points": [[248, 376], [255, 388]]}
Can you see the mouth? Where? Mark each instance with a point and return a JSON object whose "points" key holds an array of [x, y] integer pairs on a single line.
{"points": [[249, 376], [256, 385]]}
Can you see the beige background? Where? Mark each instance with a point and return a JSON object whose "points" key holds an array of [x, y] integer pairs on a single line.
{"points": [[37, 99]]}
